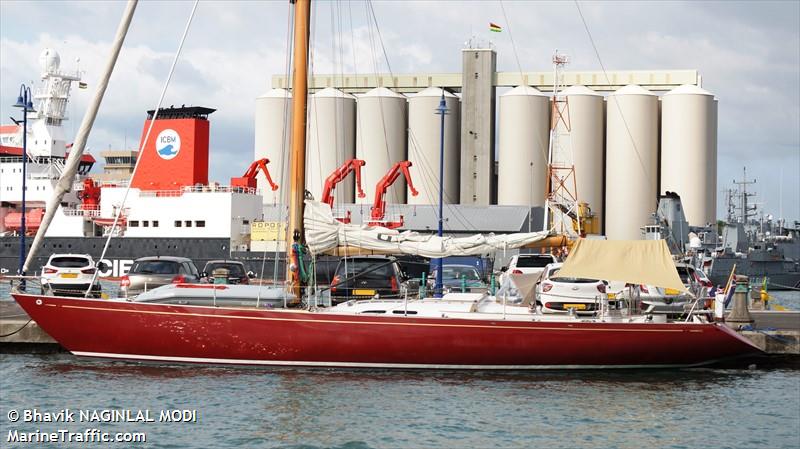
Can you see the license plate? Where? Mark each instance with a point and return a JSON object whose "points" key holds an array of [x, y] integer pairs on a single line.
{"points": [[612, 296], [363, 292], [671, 291], [575, 306], [68, 275]]}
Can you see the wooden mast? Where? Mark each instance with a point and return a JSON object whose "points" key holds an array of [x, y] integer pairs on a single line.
{"points": [[294, 232]]}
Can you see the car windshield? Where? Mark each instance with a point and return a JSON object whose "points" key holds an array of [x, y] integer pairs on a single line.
{"points": [[467, 273], [69, 262], [234, 270], [534, 261], [154, 267], [360, 266], [554, 278]]}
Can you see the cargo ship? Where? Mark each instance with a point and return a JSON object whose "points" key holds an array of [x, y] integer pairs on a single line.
{"points": [[171, 208]]}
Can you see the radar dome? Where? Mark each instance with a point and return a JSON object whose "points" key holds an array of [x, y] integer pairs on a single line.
{"points": [[49, 60]]}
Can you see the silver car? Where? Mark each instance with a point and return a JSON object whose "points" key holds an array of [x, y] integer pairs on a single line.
{"points": [[148, 273]]}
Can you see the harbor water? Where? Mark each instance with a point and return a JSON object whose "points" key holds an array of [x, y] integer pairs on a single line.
{"points": [[301, 408]]}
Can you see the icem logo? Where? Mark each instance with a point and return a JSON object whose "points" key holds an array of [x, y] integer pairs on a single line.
{"points": [[168, 144]]}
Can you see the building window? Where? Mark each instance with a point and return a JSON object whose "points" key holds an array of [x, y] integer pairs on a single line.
{"points": [[178, 223], [146, 224], [133, 223], [200, 223], [155, 223], [188, 223]]}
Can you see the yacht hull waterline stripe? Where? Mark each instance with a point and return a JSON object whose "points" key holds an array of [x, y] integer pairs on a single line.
{"points": [[238, 336], [207, 361]]}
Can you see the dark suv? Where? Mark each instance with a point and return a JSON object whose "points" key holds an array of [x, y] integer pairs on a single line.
{"points": [[365, 277], [148, 273], [226, 271]]}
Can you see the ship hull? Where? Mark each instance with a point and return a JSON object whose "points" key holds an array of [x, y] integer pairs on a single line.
{"points": [[782, 274], [209, 335]]}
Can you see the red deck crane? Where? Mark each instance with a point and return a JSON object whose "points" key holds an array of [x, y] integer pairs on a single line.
{"points": [[248, 180], [378, 211], [338, 175]]}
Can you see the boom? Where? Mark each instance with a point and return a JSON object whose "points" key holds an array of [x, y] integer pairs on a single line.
{"points": [[248, 180], [378, 211], [338, 175]]}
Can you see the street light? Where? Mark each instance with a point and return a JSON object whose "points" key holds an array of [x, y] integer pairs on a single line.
{"points": [[24, 101]]}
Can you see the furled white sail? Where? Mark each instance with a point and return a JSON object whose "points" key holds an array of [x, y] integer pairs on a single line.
{"points": [[324, 234]]}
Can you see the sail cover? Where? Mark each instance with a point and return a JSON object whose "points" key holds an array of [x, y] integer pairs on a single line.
{"points": [[647, 262], [324, 234]]}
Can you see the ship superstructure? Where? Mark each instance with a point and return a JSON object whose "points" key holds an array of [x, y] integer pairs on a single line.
{"points": [[171, 208]]}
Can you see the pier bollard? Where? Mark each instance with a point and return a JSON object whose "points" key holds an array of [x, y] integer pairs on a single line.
{"points": [[740, 315]]}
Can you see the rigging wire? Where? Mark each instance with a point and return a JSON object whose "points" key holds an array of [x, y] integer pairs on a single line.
{"points": [[542, 149], [120, 209], [608, 80], [454, 211], [286, 140]]}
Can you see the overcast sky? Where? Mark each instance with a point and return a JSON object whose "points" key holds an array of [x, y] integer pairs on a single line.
{"points": [[747, 52]]}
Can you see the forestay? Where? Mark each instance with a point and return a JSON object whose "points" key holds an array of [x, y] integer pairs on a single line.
{"points": [[324, 233]]}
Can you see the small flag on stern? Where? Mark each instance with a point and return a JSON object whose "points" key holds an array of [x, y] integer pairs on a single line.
{"points": [[494, 27]]}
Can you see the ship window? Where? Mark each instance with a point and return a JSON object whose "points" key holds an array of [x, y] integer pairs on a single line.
{"points": [[178, 223], [200, 223], [188, 223], [401, 312], [155, 223], [134, 223]]}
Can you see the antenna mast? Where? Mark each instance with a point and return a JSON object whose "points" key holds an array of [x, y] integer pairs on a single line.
{"points": [[561, 212], [745, 210]]}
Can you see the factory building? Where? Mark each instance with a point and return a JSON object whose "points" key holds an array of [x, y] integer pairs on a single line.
{"points": [[632, 135]]}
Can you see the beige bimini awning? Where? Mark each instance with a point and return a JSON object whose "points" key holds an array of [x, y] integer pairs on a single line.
{"points": [[633, 261]]}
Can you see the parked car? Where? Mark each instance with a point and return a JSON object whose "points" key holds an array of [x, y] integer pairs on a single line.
{"points": [[366, 277], [454, 277], [527, 264], [671, 301], [559, 294], [148, 273], [69, 275], [236, 273]]}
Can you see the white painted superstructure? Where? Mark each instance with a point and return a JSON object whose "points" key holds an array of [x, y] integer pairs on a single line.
{"points": [[331, 141], [631, 161], [688, 151], [272, 118], [424, 146], [381, 140], [524, 133]]}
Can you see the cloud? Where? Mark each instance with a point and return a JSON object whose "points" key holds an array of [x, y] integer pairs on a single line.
{"points": [[747, 52]]}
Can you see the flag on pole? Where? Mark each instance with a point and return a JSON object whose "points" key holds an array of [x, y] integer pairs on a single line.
{"points": [[494, 27]]}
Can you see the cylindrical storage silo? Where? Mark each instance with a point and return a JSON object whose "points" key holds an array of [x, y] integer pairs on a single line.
{"points": [[424, 142], [272, 130], [381, 140], [687, 151], [523, 138], [586, 140], [631, 162], [331, 141]]}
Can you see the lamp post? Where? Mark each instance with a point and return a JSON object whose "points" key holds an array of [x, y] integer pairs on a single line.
{"points": [[24, 101], [441, 110]]}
